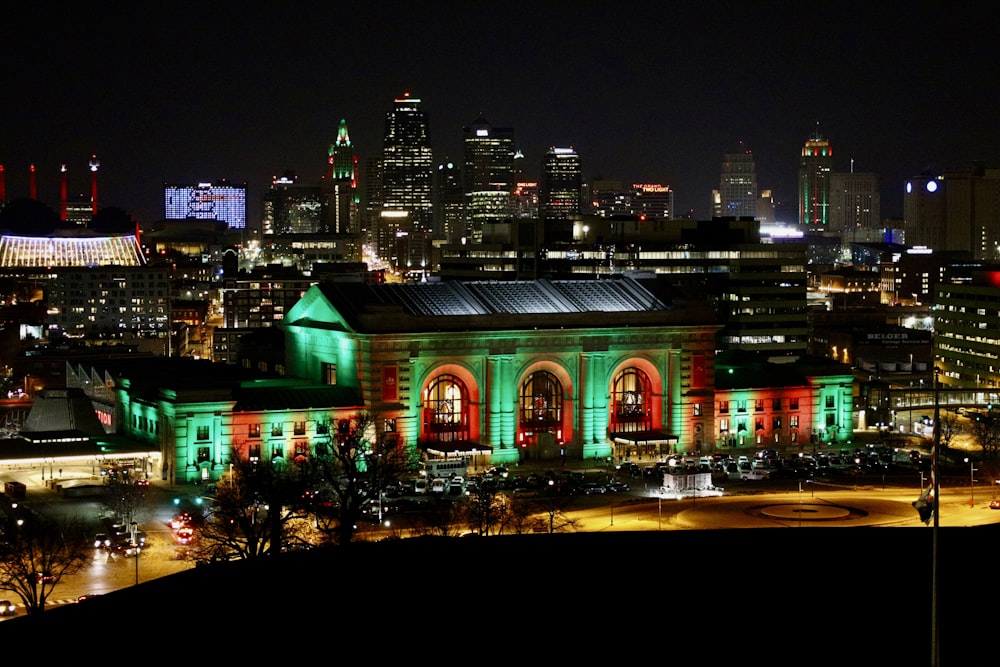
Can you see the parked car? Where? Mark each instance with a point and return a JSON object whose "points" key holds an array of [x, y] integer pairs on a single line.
{"points": [[995, 504], [755, 474], [630, 468]]}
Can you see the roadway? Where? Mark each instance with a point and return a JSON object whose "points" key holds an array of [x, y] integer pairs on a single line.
{"points": [[747, 504]]}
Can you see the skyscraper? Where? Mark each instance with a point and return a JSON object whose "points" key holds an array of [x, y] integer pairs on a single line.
{"points": [[489, 174], [449, 205], [855, 205], [207, 201], [290, 207], [340, 187], [561, 187], [814, 183], [738, 185], [407, 174]]}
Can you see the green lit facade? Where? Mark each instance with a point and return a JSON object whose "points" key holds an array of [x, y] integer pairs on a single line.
{"points": [[517, 385], [497, 372], [815, 166]]}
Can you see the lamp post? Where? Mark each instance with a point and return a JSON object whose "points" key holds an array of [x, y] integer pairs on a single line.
{"points": [[135, 549], [972, 482]]}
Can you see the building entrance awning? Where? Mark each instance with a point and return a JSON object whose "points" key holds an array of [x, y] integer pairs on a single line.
{"points": [[457, 448], [653, 437]]}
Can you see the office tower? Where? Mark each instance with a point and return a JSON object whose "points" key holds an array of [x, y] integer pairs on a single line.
{"points": [[652, 201], [609, 198], [207, 201], [407, 174], [955, 210], [765, 206], [562, 181], [339, 190], [524, 199], [371, 225], [815, 166], [738, 185], [450, 203], [290, 207], [855, 205], [343, 163], [488, 175]]}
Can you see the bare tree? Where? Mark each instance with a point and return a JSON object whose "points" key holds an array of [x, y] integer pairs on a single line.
{"points": [[985, 429], [483, 510], [38, 552], [948, 427], [553, 507], [254, 512], [358, 464], [126, 496]]}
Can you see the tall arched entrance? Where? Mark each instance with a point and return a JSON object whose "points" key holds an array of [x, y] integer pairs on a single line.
{"points": [[540, 425]]}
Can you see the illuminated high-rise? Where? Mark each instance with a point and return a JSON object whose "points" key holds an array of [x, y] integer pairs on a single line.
{"points": [[340, 200], [449, 205], [489, 174], [407, 176], [815, 166], [207, 201], [738, 185], [560, 193], [855, 205]]}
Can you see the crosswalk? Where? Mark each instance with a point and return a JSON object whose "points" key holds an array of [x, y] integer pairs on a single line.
{"points": [[19, 609]]}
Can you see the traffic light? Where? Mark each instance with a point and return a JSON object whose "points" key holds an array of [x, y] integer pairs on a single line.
{"points": [[925, 508]]}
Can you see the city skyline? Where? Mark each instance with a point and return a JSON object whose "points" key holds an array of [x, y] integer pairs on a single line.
{"points": [[643, 93]]}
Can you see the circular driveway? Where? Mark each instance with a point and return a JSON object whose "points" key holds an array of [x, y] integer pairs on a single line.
{"points": [[806, 512]]}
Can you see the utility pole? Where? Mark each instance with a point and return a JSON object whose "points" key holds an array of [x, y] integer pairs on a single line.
{"points": [[935, 648]]}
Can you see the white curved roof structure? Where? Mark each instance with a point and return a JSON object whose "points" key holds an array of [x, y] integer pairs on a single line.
{"points": [[75, 250]]}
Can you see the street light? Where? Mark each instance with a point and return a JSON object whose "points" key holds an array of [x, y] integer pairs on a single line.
{"points": [[135, 550], [972, 482]]}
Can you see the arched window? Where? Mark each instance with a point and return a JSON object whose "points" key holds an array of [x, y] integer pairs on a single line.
{"points": [[630, 399], [446, 410], [541, 403]]}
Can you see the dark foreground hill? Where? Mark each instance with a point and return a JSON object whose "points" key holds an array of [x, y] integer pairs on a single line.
{"points": [[810, 596]]}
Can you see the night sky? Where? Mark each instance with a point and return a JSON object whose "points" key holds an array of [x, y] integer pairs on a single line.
{"points": [[645, 92]]}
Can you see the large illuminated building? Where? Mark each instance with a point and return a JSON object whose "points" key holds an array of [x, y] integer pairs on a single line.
{"points": [[110, 301], [488, 176], [406, 191], [856, 206], [645, 201], [738, 186], [340, 186], [560, 192], [69, 248], [815, 165], [450, 202], [955, 210], [290, 207], [207, 201], [497, 372]]}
